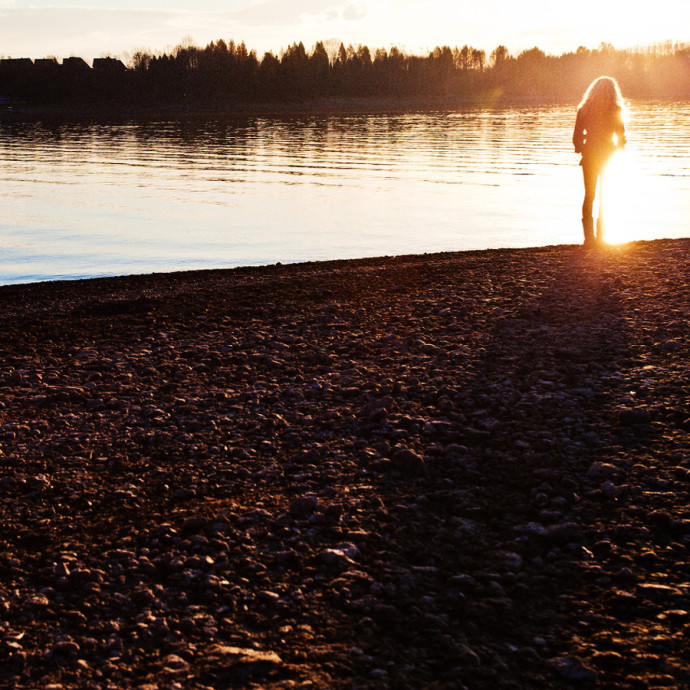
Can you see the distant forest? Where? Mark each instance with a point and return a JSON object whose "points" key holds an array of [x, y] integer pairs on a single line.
{"points": [[223, 75]]}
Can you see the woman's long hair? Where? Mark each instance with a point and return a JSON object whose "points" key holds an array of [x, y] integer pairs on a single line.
{"points": [[603, 96]]}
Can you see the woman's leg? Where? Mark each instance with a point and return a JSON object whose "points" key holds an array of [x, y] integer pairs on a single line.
{"points": [[590, 174], [602, 205]]}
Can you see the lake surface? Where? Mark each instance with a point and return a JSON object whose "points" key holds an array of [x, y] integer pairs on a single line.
{"points": [[93, 198]]}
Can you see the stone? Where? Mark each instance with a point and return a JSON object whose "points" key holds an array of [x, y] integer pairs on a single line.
{"points": [[335, 558], [224, 654], [408, 463], [629, 416], [563, 533], [173, 663], [304, 505], [66, 648], [572, 669]]}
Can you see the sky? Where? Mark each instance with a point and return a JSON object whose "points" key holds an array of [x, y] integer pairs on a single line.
{"points": [[118, 28]]}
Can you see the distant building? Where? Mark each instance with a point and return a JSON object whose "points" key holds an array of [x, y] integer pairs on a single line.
{"points": [[109, 65], [47, 81], [75, 64], [16, 64], [47, 65]]}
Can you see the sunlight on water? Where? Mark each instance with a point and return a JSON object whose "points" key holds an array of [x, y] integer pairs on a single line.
{"points": [[648, 184], [135, 196]]}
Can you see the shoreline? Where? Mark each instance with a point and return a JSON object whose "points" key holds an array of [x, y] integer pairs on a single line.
{"points": [[410, 471], [322, 264]]}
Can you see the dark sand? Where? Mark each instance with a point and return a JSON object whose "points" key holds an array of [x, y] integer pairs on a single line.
{"points": [[444, 471]]}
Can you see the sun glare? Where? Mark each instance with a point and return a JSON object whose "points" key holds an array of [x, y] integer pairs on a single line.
{"points": [[621, 182]]}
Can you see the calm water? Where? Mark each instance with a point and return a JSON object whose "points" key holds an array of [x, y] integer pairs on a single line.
{"points": [[83, 199]]}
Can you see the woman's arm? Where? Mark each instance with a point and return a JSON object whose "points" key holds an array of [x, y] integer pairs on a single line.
{"points": [[619, 131], [578, 134]]}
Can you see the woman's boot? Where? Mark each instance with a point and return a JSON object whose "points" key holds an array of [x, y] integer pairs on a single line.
{"points": [[588, 227], [600, 231]]}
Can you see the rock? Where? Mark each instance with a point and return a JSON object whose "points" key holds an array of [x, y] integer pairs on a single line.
{"points": [[658, 592], [602, 470], [378, 409], [184, 494], [227, 655], [335, 558], [675, 615], [174, 664], [610, 661], [304, 505], [563, 533], [623, 600], [270, 598], [610, 490], [66, 648], [38, 600], [629, 416], [61, 570], [408, 463], [511, 559], [572, 669], [349, 549]]}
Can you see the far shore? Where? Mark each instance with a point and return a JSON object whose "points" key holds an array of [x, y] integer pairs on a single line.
{"points": [[327, 106]]}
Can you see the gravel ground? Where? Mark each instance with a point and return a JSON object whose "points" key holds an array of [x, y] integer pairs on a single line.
{"points": [[460, 470]]}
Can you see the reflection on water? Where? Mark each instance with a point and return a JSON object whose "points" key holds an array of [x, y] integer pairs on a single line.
{"points": [[105, 198]]}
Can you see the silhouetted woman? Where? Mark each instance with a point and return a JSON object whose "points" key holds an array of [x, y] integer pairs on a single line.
{"points": [[599, 131]]}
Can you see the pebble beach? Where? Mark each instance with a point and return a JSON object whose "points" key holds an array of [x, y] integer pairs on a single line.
{"points": [[458, 470]]}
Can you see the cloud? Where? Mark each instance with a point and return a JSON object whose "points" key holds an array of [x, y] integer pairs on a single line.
{"points": [[90, 32], [281, 13], [64, 32], [35, 28], [355, 11]]}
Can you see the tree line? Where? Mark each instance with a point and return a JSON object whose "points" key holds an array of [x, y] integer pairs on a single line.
{"points": [[224, 74]]}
